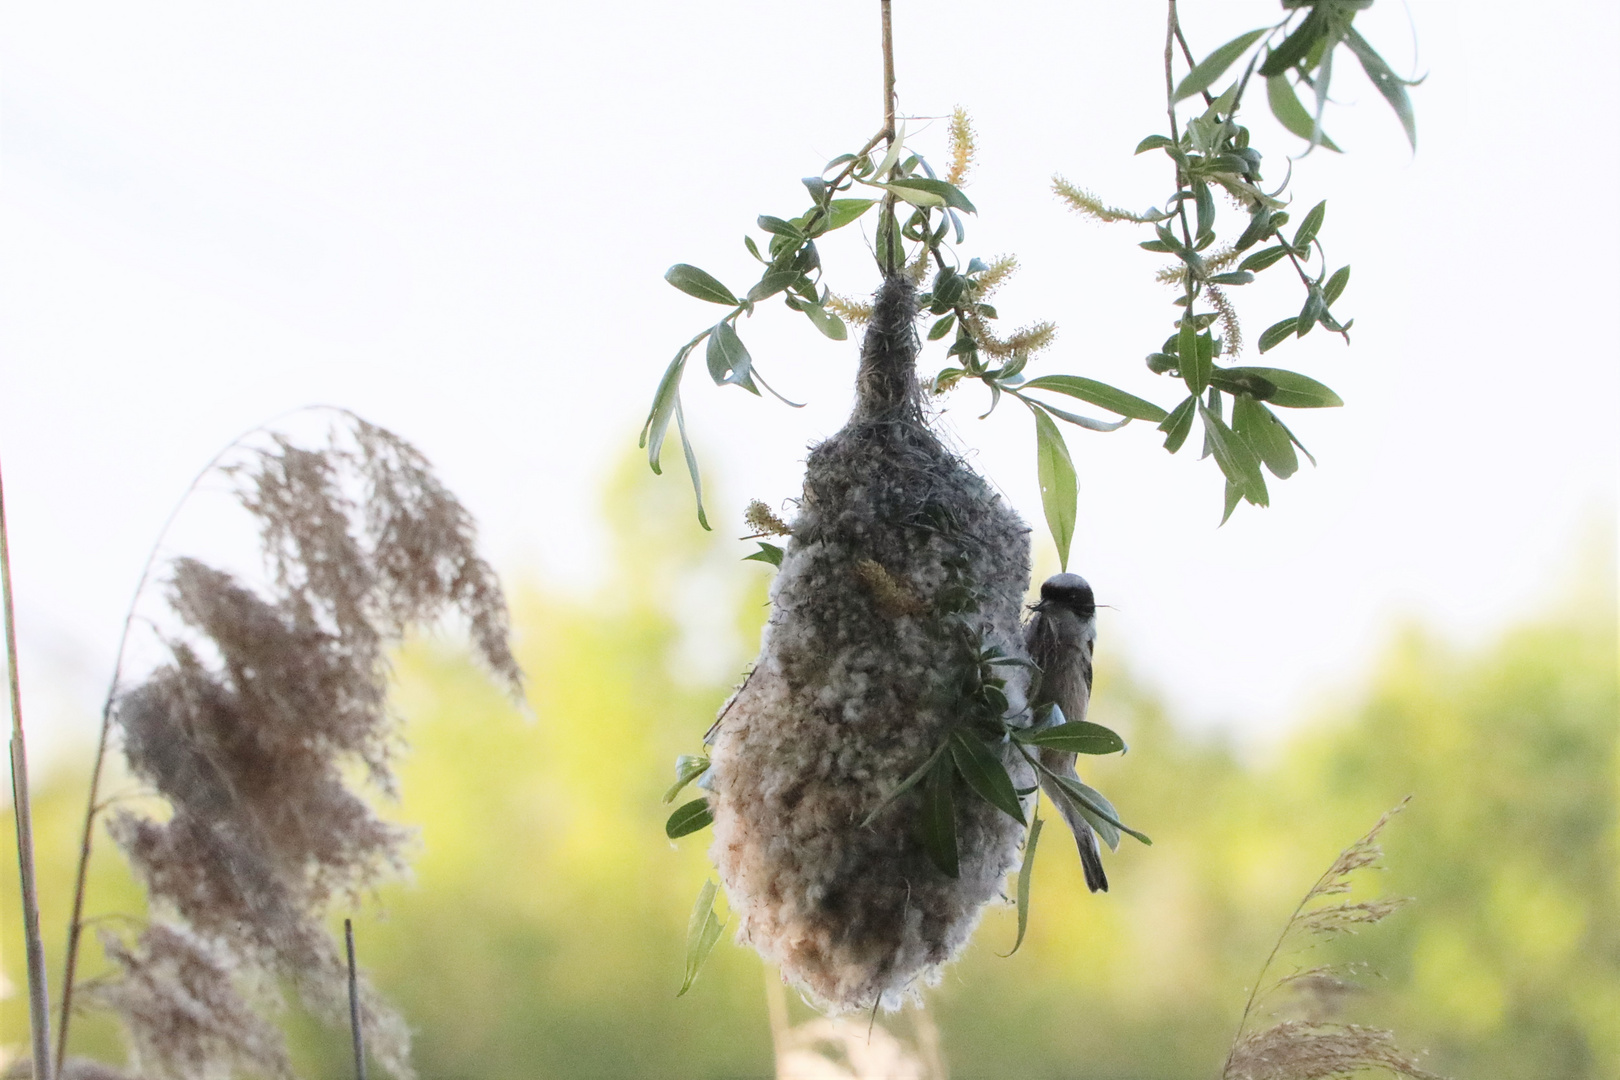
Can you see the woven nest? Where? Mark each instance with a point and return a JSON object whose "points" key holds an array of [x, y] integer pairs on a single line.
{"points": [[898, 555]]}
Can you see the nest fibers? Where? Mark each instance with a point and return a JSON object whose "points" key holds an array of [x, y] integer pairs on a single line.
{"points": [[900, 556]]}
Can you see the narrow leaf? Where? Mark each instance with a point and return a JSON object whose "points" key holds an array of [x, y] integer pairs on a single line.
{"points": [[1392, 86], [1265, 433], [663, 409], [907, 784], [772, 283], [1077, 420], [1263, 258], [1178, 424], [1296, 45], [1194, 368], [985, 774], [1310, 226], [828, 323], [727, 358], [1099, 394], [1059, 485], [1074, 737], [767, 553], [922, 191], [702, 931], [1277, 333], [1213, 66], [1294, 391], [694, 282], [688, 818], [1285, 106], [1153, 142], [691, 464], [688, 767], [1236, 457], [1026, 873], [844, 211], [1335, 284], [939, 816]]}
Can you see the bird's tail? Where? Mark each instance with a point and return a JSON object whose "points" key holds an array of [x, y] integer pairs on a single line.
{"points": [[1084, 836]]}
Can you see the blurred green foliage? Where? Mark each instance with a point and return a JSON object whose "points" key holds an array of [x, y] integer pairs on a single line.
{"points": [[542, 934]]}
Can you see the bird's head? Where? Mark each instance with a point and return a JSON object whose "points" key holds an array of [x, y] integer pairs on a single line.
{"points": [[1070, 592]]}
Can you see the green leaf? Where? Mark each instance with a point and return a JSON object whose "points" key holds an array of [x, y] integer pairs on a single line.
{"points": [[938, 819], [1392, 86], [688, 767], [907, 784], [925, 192], [1291, 114], [1263, 258], [1235, 277], [941, 327], [1075, 737], [688, 818], [772, 283], [844, 211], [694, 282], [1310, 226], [1059, 485], [1335, 284], [1296, 45], [1097, 810], [1153, 142], [1099, 394], [1234, 495], [828, 323], [1026, 874], [1311, 312], [892, 155], [1178, 424], [663, 409], [1294, 391], [1265, 433], [1075, 418], [728, 359], [1194, 367], [767, 553], [1277, 333], [702, 931], [1237, 459], [985, 774], [1213, 66], [691, 464], [779, 227]]}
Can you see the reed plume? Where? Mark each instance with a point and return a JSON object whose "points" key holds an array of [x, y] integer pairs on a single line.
{"points": [[266, 702]]}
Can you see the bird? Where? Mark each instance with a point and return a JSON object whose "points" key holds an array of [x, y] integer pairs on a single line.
{"points": [[1060, 636]]}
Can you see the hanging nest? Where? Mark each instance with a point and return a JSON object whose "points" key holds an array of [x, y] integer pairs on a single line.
{"points": [[904, 572]]}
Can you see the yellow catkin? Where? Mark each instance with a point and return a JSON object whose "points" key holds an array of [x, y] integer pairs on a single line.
{"points": [[1084, 202], [764, 521], [892, 597], [963, 147], [852, 311]]}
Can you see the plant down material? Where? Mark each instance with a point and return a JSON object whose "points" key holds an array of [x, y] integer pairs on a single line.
{"points": [[903, 570], [247, 732]]}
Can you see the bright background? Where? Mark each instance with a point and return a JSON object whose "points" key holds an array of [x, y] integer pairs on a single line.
{"points": [[454, 220]]}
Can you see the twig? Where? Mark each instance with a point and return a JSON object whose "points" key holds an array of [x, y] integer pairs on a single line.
{"points": [[354, 1005], [888, 74], [39, 1005]]}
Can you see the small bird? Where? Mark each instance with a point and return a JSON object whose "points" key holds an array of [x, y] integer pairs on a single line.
{"points": [[1060, 635]]}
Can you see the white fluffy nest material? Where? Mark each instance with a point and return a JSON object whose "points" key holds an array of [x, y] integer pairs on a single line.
{"points": [[852, 691]]}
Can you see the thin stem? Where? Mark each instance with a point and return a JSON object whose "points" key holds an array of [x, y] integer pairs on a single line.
{"points": [[1191, 63], [39, 1004], [888, 74], [354, 1004], [1169, 77], [93, 805]]}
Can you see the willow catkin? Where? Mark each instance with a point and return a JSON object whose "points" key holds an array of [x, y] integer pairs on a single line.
{"points": [[899, 553]]}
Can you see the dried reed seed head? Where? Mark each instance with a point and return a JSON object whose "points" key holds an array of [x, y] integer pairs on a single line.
{"points": [[1301, 1050], [184, 1011], [249, 747], [850, 694], [762, 519]]}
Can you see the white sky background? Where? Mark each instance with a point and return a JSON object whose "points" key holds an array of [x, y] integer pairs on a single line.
{"points": [[454, 219]]}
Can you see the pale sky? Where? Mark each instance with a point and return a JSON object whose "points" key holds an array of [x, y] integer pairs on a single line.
{"points": [[455, 218]]}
